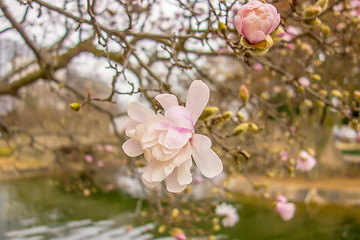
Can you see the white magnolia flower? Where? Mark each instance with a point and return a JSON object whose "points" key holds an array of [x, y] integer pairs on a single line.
{"points": [[168, 141], [230, 214]]}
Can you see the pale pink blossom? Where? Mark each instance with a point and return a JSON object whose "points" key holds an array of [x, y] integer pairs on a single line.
{"points": [[100, 163], [109, 148], [292, 129], [198, 180], [230, 214], [168, 141], [353, 6], [258, 66], [180, 236], [305, 82], [305, 162], [291, 32], [88, 158], [255, 20], [284, 155], [284, 208], [110, 186], [276, 89]]}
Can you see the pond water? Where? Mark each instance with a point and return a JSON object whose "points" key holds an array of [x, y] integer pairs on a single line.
{"points": [[38, 202]]}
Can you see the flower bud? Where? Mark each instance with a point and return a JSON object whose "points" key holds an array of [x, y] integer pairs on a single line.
{"points": [[320, 103], [208, 113], [322, 4], [325, 29], [311, 11], [245, 154], [354, 124], [250, 21], [323, 93], [227, 115], [242, 127], [75, 106], [311, 22], [244, 93], [222, 27], [308, 103], [357, 96], [253, 127], [175, 213], [336, 93], [240, 116], [162, 229]]}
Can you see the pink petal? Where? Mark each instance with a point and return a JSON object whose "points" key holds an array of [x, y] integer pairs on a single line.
{"points": [[172, 183], [281, 198], [139, 112], [286, 210], [184, 173], [167, 100], [132, 148], [238, 24], [197, 99], [177, 137], [150, 135], [256, 36], [205, 158], [180, 117]]}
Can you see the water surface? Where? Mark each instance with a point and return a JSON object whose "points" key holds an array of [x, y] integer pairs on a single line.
{"points": [[38, 202]]}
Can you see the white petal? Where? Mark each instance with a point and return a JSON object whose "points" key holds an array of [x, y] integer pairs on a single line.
{"points": [[167, 100], [139, 112], [146, 178], [130, 127], [183, 155], [172, 184], [197, 98], [132, 148], [205, 158], [184, 173]]}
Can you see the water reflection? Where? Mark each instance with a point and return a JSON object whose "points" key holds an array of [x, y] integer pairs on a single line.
{"points": [[28, 204]]}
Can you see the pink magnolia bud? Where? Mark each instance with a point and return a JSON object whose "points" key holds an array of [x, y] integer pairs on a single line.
{"points": [[255, 20]]}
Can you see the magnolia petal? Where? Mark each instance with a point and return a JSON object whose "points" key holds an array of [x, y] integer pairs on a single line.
{"points": [[139, 112], [130, 127], [167, 100], [149, 144], [132, 148], [177, 137], [183, 155], [157, 171], [179, 116], [162, 137], [150, 184], [197, 99], [172, 183], [149, 136], [148, 155], [160, 155], [146, 177], [205, 158], [183, 173], [286, 210]]}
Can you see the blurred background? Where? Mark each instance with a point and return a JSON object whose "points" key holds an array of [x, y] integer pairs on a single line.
{"points": [[69, 68]]}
